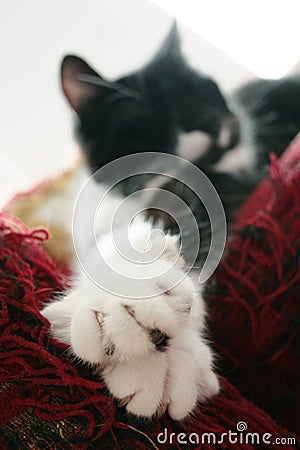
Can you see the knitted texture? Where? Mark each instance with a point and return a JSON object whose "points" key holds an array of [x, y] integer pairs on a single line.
{"points": [[254, 297], [50, 401]]}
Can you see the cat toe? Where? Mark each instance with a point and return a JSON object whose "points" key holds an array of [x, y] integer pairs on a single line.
{"points": [[209, 386]]}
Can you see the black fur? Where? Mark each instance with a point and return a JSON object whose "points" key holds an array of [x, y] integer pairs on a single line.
{"points": [[273, 107], [145, 111]]}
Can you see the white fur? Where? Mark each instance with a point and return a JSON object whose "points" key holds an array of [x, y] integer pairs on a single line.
{"points": [[224, 136], [242, 157], [113, 332], [193, 144]]}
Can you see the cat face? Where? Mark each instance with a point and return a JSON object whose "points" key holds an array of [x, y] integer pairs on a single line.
{"points": [[166, 107]]}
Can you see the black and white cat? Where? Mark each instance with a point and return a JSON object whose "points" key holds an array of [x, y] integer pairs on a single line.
{"points": [[152, 352]]}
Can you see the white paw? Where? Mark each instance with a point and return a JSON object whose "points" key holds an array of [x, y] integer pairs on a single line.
{"points": [[149, 350]]}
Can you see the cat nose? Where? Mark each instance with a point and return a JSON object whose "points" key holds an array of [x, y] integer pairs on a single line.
{"points": [[229, 133]]}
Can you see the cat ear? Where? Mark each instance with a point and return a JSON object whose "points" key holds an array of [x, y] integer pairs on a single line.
{"points": [[170, 48], [74, 78]]}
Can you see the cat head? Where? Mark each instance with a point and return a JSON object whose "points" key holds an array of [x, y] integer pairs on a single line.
{"points": [[166, 106]]}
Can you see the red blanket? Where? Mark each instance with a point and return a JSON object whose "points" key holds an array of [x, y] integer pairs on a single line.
{"points": [[48, 401]]}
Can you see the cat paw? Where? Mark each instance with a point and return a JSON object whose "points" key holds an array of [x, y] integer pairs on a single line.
{"points": [[139, 384], [174, 380], [149, 350]]}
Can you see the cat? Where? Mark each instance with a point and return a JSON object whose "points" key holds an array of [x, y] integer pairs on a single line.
{"points": [[169, 107], [152, 351]]}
